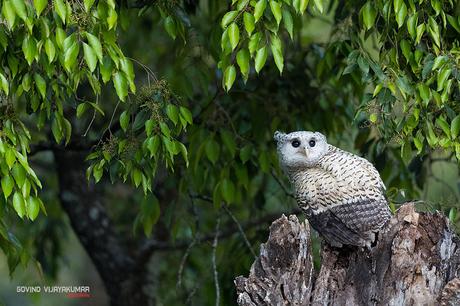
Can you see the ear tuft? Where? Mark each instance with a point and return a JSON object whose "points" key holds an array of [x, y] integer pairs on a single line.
{"points": [[278, 136]]}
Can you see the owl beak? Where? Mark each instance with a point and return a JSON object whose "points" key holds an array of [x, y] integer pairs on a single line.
{"points": [[306, 152]]}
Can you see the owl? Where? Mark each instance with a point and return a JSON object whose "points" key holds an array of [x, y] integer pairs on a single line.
{"points": [[341, 194]]}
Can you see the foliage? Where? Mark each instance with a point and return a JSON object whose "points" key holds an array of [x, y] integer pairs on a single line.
{"points": [[379, 78]]}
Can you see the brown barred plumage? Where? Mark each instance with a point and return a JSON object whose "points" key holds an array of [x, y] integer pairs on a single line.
{"points": [[342, 194]]}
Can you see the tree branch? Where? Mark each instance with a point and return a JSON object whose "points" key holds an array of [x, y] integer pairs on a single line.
{"points": [[153, 245]]}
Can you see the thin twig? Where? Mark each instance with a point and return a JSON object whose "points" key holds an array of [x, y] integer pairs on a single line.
{"points": [[191, 245], [192, 293], [214, 266], [111, 118], [92, 119], [152, 245], [245, 238], [289, 194]]}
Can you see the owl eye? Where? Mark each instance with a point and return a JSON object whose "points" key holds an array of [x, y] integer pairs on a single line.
{"points": [[295, 143], [312, 143]]}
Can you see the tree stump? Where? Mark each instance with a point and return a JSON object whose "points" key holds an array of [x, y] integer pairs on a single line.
{"points": [[416, 261]]}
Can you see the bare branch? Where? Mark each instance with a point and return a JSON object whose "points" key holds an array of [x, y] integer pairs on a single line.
{"points": [[214, 266], [240, 229], [154, 245], [289, 194]]}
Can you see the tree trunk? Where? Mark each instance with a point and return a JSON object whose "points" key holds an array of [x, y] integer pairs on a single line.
{"points": [[123, 278], [416, 262]]}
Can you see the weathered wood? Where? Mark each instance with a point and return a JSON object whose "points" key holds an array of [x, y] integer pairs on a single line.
{"points": [[416, 261]]}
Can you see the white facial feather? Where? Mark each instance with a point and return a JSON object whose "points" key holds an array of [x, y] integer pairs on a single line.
{"points": [[302, 149]]}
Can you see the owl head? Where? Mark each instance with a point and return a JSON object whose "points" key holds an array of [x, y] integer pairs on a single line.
{"points": [[302, 149]]}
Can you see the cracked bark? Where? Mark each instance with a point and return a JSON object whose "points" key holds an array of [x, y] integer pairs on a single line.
{"points": [[81, 201], [415, 262]]}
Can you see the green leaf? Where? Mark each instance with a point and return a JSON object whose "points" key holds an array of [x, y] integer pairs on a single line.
{"points": [[401, 15], [439, 62], [19, 204], [454, 22], [319, 5], [242, 58], [418, 142], [452, 215], [276, 11], [186, 114], [249, 22], [431, 136], [19, 174], [70, 56], [170, 27], [4, 84], [228, 191], [433, 29], [412, 25], [7, 185], [88, 4], [90, 57], [56, 128], [60, 37], [228, 17], [33, 208], [234, 35], [373, 118], [124, 120], [61, 9], [259, 9], [277, 54], [246, 153], [149, 126], [29, 48], [229, 140], [9, 12], [10, 157], [95, 44], [442, 123], [121, 85], [81, 109], [41, 84], [455, 127], [173, 113], [420, 31], [137, 177], [165, 129], [369, 15], [106, 69], [40, 5], [425, 93], [67, 129], [443, 75], [406, 152], [153, 144], [406, 49], [20, 8], [261, 58], [212, 150], [112, 18], [254, 42], [303, 4], [288, 22], [50, 50], [229, 77], [404, 85]]}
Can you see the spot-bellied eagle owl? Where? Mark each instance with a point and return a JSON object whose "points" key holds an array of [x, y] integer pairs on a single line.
{"points": [[342, 194]]}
